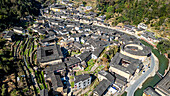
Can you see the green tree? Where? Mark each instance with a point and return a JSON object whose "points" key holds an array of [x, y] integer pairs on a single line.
{"points": [[110, 9], [3, 91], [84, 3], [163, 46]]}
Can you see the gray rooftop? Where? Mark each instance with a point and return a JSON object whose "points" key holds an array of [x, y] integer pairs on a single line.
{"points": [[81, 77], [44, 92], [107, 75], [98, 51], [56, 81], [164, 85], [49, 53], [120, 80], [59, 6], [125, 63], [71, 61], [135, 51], [83, 56], [52, 68], [102, 87], [150, 92]]}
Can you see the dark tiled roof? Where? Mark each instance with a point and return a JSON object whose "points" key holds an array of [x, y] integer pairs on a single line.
{"points": [[60, 66], [42, 56], [150, 92], [126, 38], [131, 68], [71, 61], [49, 39], [59, 6], [102, 87], [44, 92], [78, 45], [83, 56], [129, 26], [96, 43], [164, 84], [56, 81], [146, 50], [120, 80], [98, 51], [81, 77], [59, 82], [107, 75]]}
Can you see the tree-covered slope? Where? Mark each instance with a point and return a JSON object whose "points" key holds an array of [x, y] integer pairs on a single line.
{"points": [[12, 10], [154, 13]]}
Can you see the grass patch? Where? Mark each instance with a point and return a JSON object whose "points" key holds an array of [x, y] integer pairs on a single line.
{"points": [[71, 77], [79, 73], [37, 90], [35, 56], [26, 52], [75, 53], [72, 84], [35, 46], [30, 51], [124, 94], [25, 90], [17, 42], [90, 63], [99, 68], [41, 86]]}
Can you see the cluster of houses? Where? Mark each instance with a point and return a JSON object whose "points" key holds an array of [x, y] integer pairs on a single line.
{"points": [[66, 31], [151, 36], [123, 67]]}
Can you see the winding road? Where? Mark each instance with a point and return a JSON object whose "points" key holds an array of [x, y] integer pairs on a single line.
{"points": [[132, 88]]}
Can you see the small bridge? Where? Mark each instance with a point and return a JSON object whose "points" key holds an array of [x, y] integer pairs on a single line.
{"points": [[159, 74]]}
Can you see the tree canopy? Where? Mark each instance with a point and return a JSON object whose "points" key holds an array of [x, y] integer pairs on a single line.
{"points": [[136, 11], [164, 46], [13, 10]]}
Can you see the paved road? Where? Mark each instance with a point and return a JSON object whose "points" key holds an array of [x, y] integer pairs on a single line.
{"points": [[131, 90]]}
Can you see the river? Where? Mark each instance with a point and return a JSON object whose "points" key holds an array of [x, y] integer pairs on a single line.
{"points": [[152, 81]]}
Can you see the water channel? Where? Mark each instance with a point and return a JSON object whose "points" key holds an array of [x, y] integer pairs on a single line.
{"points": [[152, 81]]}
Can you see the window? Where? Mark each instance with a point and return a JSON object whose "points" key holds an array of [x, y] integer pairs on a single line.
{"points": [[88, 82], [84, 83]]}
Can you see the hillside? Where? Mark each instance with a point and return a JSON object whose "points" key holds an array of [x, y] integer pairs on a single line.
{"points": [[154, 13], [12, 10]]}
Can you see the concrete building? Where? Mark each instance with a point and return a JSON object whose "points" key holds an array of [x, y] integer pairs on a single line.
{"points": [[142, 26], [82, 81]]}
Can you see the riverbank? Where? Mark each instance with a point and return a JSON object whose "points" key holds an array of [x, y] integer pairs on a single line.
{"points": [[163, 65]]}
